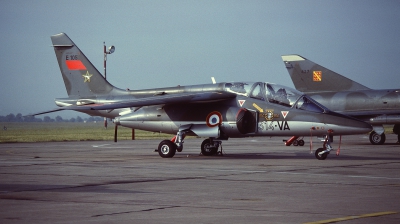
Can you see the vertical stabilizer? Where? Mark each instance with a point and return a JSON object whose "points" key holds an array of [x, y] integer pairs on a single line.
{"points": [[308, 76], [81, 78]]}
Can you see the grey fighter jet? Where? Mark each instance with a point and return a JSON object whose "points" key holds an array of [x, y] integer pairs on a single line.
{"points": [[345, 96], [214, 111]]}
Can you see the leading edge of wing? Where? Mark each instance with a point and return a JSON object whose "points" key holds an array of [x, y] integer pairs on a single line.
{"points": [[157, 100]]}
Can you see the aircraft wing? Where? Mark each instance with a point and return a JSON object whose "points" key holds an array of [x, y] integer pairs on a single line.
{"points": [[153, 100]]}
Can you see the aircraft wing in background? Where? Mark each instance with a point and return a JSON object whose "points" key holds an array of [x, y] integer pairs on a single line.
{"points": [[177, 98]]}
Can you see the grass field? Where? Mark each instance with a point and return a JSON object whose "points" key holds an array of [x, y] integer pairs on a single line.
{"points": [[64, 131]]}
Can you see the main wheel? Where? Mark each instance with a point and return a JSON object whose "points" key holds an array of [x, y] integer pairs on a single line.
{"points": [[321, 157], [301, 142], [377, 139], [295, 143], [207, 148], [166, 149]]}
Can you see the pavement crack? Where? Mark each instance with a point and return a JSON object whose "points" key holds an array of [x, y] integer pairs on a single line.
{"points": [[144, 210]]}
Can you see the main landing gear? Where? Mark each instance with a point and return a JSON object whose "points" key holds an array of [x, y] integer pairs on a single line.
{"points": [[377, 139], [168, 148], [209, 147]]}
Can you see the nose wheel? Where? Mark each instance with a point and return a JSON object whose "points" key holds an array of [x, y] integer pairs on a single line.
{"points": [[321, 154]]}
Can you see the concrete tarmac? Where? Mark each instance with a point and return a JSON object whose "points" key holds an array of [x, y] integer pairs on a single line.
{"points": [[257, 180]]}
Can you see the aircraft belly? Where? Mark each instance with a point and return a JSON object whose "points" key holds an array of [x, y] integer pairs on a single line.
{"points": [[155, 126], [347, 130], [198, 128]]}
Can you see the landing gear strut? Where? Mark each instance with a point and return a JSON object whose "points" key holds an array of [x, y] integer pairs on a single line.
{"points": [[323, 152], [168, 148]]}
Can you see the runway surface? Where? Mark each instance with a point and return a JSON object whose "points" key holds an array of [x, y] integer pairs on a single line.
{"points": [[258, 180]]}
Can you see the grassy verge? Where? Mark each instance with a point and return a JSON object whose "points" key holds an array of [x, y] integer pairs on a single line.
{"points": [[60, 131]]}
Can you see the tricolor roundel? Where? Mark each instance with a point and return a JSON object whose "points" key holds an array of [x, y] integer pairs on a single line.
{"points": [[214, 119]]}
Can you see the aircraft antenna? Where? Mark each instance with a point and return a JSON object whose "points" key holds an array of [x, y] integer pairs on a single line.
{"points": [[111, 50]]}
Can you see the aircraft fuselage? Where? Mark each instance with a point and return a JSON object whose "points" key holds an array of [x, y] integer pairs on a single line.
{"points": [[364, 104], [253, 109]]}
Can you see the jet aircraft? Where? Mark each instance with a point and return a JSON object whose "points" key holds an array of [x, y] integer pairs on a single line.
{"points": [[345, 96], [215, 111]]}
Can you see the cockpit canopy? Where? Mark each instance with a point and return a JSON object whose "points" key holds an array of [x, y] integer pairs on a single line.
{"points": [[276, 94]]}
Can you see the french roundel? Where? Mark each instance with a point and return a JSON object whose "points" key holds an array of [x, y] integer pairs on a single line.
{"points": [[214, 119]]}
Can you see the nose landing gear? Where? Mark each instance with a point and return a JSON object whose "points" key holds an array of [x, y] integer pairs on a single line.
{"points": [[321, 153]]}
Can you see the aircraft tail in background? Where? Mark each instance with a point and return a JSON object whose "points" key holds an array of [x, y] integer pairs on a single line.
{"points": [[80, 77], [308, 76]]}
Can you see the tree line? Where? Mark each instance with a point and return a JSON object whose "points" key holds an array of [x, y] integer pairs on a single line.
{"points": [[19, 118]]}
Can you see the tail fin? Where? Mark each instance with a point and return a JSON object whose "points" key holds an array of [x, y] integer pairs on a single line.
{"points": [[308, 76], [81, 78]]}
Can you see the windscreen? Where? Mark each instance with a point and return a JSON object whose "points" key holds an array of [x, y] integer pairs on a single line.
{"points": [[281, 95], [307, 103]]}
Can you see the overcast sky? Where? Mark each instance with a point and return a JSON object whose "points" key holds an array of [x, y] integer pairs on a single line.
{"points": [[169, 43]]}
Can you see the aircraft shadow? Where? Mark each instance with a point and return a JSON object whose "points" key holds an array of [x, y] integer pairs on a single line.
{"points": [[296, 156]]}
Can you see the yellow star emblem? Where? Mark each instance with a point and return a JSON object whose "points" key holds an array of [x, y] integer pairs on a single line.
{"points": [[86, 77]]}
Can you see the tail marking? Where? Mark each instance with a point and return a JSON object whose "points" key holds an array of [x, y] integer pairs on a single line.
{"points": [[75, 64], [317, 76]]}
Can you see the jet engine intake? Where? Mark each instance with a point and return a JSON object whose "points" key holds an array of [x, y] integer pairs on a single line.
{"points": [[238, 122], [246, 121]]}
